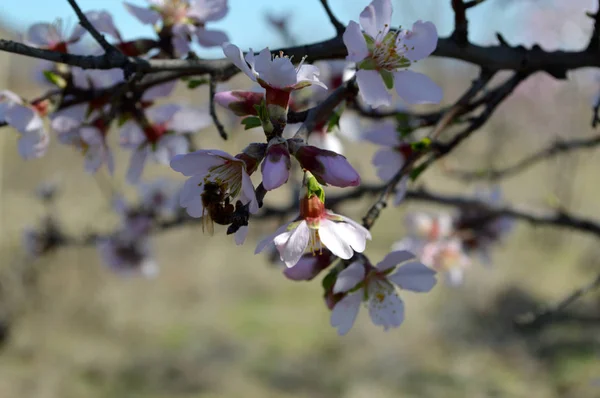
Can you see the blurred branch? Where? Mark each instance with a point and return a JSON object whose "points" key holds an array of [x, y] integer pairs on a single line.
{"points": [[555, 149], [109, 49], [536, 320], [339, 27], [594, 43]]}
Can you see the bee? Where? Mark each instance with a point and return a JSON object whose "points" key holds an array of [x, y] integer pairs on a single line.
{"points": [[217, 207]]}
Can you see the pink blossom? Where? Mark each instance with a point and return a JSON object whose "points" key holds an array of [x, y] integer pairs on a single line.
{"points": [[26, 119], [217, 167], [185, 19], [162, 138], [327, 166], [377, 287], [382, 57], [89, 137], [276, 165], [241, 103], [317, 227], [309, 266]]}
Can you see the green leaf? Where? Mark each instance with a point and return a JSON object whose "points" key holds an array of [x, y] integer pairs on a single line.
{"points": [[416, 172], [55, 79], [314, 188], [421, 146], [388, 78], [329, 279], [192, 84], [251, 122]]}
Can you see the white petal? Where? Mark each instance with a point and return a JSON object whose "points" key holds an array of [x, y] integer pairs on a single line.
{"points": [[416, 88], [349, 277], [240, 235], [211, 38], [235, 55], [143, 14], [208, 10], [158, 91], [355, 237], [281, 73], [291, 245], [388, 162], [131, 135], [42, 35], [355, 43], [372, 89], [248, 194], [385, 307], [384, 133], [266, 241], [169, 146], [23, 118], [376, 17], [189, 120], [401, 190], [333, 240], [414, 276], [198, 162], [394, 258], [136, 165], [262, 62], [421, 41], [344, 313]]}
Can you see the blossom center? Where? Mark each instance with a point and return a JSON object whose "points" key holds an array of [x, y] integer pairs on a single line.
{"points": [[387, 54], [228, 173]]}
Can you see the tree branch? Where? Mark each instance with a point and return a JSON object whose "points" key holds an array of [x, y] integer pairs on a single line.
{"points": [[555, 149], [339, 27], [212, 84], [87, 25]]}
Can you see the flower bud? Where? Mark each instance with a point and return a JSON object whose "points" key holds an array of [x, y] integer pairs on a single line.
{"points": [[309, 266], [276, 166], [240, 103]]}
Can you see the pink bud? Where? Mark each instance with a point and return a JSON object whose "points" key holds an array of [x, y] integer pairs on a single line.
{"points": [[240, 102], [328, 167], [309, 266], [276, 166]]}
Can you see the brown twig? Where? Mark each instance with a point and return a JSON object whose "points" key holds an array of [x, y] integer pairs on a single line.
{"points": [[212, 84]]}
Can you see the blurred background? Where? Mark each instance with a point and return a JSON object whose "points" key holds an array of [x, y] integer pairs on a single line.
{"points": [[219, 321]]}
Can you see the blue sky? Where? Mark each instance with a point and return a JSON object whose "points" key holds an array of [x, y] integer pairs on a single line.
{"points": [[246, 24]]}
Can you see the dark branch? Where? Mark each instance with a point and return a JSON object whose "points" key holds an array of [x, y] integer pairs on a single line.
{"points": [[339, 27], [555, 149], [87, 25], [461, 25], [594, 44], [536, 320], [212, 84]]}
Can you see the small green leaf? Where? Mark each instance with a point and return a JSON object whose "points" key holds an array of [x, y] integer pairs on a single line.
{"points": [[367, 64], [314, 188], [421, 146], [251, 122], [55, 79], [192, 84]]}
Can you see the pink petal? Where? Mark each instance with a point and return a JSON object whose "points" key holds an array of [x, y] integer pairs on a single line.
{"points": [[349, 277], [143, 14], [416, 88], [420, 42], [376, 17], [211, 38], [344, 313], [355, 43], [42, 35], [394, 258], [414, 276], [372, 89]]}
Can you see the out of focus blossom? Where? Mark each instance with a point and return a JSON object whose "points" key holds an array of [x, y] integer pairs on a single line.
{"points": [[53, 36], [383, 56], [161, 137], [27, 120], [160, 197], [185, 20], [127, 255], [376, 287]]}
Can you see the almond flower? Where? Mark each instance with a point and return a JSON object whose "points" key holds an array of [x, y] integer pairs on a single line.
{"points": [[74, 129], [53, 36], [161, 137], [315, 228], [376, 286], [27, 120], [186, 19], [382, 57], [230, 173]]}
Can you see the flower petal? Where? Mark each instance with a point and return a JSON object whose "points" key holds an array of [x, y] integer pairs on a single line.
{"points": [[207, 10], [416, 88], [240, 235], [333, 239], [349, 277], [355, 43], [136, 165], [385, 307], [291, 245], [376, 17], [394, 258], [387, 161], [401, 190], [372, 89], [414, 276], [420, 42], [235, 55], [198, 162], [266, 241], [143, 14], [384, 133], [211, 38], [344, 313]]}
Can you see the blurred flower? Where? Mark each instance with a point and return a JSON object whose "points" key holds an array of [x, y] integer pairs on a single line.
{"points": [[161, 136], [41, 240], [53, 36], [27, 120], [127, 254], [380, 54], [97, 79], [185, 19], [73, 129], [377, 287], [241, 103], [160, 197]]}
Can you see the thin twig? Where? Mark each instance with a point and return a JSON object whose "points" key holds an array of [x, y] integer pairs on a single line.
{"points": [[339, 27], [87, 25], [212, 84]]}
